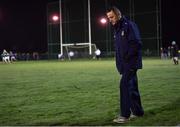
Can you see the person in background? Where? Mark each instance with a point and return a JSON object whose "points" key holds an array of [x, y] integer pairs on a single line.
{"points": [[5, 56], [161, 51], [175, 53], [165, 53], [169, 51], [12, 56], [97, 53]]}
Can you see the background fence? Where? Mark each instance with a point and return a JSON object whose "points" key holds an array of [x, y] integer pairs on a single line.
{"points": [[147, 15]]}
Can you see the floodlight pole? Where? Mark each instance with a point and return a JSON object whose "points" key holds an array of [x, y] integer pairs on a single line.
{"points": [[60, 27], [158, 21], [89, 25]]}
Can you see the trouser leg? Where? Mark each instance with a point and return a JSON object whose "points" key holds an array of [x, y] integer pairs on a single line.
{"points": [[129, 95], [135, 100], [124, 97]]}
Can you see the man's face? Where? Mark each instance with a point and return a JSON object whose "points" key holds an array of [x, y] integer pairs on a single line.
{"points": [[113, 18]]}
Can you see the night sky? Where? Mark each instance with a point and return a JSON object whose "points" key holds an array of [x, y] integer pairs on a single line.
{"points": [[23, 25], [170, 21]]}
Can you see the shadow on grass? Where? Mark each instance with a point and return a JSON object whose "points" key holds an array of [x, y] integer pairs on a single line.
{"points": [[168, 115]]}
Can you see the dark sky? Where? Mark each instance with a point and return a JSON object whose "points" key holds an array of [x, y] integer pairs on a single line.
{"points": [[23, 24], [170, 21]]}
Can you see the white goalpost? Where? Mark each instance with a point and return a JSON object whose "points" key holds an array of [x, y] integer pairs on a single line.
{"points": [[86, 44]]}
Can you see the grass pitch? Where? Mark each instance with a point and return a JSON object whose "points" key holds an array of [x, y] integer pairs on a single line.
{"points": [[84, 93]]}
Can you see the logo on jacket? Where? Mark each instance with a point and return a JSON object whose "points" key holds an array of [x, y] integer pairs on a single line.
{"points": [[114, 36], [122, 33]]}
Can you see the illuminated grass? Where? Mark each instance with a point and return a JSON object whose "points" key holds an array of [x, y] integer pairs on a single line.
{"points": [[84, 93]]}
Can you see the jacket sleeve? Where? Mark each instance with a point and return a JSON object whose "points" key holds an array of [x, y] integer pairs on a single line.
{"points": [[118, 62], [134, 41]]}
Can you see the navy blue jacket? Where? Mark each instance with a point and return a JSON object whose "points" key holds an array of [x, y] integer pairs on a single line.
{"points": [[127, 46]]}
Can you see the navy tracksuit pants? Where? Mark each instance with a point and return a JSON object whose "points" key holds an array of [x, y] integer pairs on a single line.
{"points": [[130, 101]]}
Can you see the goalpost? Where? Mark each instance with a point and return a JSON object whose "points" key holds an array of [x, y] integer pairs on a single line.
{"points": [[79, 45]]}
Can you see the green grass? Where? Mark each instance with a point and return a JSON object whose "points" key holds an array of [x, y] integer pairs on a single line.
{"points": [[84, 93]]}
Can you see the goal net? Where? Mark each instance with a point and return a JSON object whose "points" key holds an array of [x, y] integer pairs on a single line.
{"points": [[78, 50]]}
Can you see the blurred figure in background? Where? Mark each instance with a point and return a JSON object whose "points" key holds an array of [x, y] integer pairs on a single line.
{"points": [[5, 56], [12, 56], [175, 53], [169, 51], [98, 53]]}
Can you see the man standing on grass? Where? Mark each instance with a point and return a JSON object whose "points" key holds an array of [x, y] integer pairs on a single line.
{"points": [[128, 61]]}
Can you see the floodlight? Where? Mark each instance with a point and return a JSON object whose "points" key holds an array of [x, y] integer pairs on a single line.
{"points": [[103, 20], [55, 18]]}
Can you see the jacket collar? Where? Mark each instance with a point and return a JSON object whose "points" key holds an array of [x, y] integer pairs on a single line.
{"points": [[119, 24]]}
